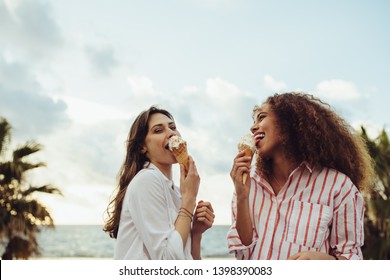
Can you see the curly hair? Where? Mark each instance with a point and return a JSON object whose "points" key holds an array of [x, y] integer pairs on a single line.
{"points": [[312, 132]]}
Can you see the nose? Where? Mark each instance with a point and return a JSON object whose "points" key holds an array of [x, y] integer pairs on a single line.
{"points": [[171, 133], [254, 128]]}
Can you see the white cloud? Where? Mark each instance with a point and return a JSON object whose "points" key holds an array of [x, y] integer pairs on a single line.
{"points": [[220, 90], [189, 91], [87, 112], [141, 86], [338, 90], [274, 85]]}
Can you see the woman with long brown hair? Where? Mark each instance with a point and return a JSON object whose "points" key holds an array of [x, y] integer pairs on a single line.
{"points": [[150, 216], [303, 200]]}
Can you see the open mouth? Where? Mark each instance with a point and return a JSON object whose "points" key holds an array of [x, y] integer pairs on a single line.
{"points": [[260, 136]]}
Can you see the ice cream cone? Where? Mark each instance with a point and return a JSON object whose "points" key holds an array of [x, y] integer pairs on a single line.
{"points": [[247, 144], [181, 155], [248, 152], [178, 147]]}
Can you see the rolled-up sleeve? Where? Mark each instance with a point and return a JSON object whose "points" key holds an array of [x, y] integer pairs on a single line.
{"points": [[348, 226], [235, 246], [152, 218]]}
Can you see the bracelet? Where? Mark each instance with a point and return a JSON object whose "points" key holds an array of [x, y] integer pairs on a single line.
{"points": [[186, 216], [187, 211]]}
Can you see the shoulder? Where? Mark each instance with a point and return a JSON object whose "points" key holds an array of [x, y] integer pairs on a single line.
{"points": [[331, 175], [149, 174], [339, 181]]}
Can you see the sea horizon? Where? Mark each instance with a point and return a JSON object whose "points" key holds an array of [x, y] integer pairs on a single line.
{"points": [[79, 241]]}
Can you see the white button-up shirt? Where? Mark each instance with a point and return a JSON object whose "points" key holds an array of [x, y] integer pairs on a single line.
{"points": [[149, 211]]}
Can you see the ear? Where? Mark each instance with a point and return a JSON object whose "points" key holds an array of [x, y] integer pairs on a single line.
{"points": [[143, 150]]}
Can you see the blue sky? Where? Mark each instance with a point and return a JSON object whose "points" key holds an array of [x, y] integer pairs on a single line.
{"points": [[74, 74]]}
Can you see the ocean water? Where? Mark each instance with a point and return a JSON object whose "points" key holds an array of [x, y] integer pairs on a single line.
{"points": [[89, 241]]}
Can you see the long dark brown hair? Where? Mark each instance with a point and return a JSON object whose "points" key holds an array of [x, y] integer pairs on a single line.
{"points": [[312, 132], [134, 162]]}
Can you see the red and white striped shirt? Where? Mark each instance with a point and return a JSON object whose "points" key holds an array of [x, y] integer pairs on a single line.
{"points": [[316, 210]]}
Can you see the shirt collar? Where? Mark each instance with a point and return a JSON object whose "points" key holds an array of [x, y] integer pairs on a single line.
{"points": [[306, 165], [149, 165]]}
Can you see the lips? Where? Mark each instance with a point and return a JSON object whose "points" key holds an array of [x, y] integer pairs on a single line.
{"points": [[259, 136]]}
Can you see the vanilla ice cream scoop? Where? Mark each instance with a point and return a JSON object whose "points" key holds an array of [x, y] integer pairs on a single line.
{"points": [[248, 141]]}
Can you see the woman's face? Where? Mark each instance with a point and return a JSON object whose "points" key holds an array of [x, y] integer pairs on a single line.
{"points": [[266, 132], [160, 129]]}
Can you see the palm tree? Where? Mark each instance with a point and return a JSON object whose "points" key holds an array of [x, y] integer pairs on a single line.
{"points": [[21, 214], [377, 218]]}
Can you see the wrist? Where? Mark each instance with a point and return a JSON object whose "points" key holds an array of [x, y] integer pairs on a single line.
{"points": [[242, 200], [196, 236], [188, 204]]}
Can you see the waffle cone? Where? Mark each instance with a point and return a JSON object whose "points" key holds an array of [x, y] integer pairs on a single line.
{"points": [[248, 152], [181, 155]]}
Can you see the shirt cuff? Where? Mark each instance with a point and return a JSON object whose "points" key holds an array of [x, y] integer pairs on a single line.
{"points": [[174, 250]]}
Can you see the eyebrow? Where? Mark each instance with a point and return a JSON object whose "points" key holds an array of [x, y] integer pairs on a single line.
{"points": [[161, 124], [257, 115]]}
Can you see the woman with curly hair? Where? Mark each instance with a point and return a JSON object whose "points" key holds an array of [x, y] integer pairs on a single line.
{"points": [[303, 200]]}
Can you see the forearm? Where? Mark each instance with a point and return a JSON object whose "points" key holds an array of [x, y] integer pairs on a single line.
{"points": [[243, 222], [184, 220], [195, 246]]}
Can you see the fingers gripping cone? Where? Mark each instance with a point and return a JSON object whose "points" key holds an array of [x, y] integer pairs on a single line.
{"points": [[178, 147], [247, 144]]}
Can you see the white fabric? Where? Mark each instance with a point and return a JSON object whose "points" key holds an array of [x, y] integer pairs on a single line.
{"points": [[146, 228]]}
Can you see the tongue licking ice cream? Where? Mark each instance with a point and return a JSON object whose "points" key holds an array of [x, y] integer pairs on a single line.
{"points": [[247, 144], [179, 149]]}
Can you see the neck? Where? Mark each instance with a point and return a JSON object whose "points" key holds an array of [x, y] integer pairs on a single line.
{"points": [[281, 170], [165, 169]]}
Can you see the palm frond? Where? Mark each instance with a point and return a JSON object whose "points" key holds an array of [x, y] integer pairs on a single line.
{"points": [[27, 149], [5, 134], [43, 189], [15, 170], [25, 166]]}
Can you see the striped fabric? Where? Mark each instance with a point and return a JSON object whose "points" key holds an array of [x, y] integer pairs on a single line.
{"points": [[316, 210]]}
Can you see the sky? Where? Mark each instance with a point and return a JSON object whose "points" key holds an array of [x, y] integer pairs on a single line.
{"points": [[75, 74]]}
